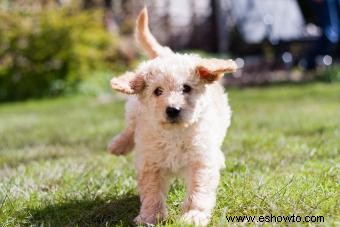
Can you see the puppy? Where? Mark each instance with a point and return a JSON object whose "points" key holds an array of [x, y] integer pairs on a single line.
{"points": [[177, 116]]}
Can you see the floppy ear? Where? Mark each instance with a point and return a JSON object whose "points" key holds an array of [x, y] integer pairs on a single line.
{"points": [[213, 69], [128, 83]]}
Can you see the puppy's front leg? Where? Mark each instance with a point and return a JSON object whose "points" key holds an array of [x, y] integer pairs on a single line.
{"points": [[202, 182], [152, 185]]}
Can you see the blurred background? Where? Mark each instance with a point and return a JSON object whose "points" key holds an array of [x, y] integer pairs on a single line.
{"points": [[58, 112], [53, 47]]}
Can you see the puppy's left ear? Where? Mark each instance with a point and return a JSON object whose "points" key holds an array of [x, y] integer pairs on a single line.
{"points": [[128, 83], [213, 69]]}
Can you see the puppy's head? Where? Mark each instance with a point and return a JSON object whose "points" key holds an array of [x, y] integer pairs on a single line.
{"points": [[170, 86]]}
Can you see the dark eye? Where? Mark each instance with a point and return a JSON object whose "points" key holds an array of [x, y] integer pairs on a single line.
{"points": [[158, 91], [186, 88]]}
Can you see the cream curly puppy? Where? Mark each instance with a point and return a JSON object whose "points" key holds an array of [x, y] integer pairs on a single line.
{"points": [[177, 116]]}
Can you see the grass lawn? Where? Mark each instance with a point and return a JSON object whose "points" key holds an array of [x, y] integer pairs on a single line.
{"points": [[282, 157]]}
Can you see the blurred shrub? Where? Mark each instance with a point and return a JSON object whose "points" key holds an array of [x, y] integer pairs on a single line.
{"points": [[49, 52], [330, 74]]}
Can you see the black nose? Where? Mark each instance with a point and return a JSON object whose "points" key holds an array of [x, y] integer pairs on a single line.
{"points": [[172, 112]]}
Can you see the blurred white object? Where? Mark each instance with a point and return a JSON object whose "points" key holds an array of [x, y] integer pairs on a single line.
{"points": [[324, 60], [287, 57], [313, 30], [275, 20], [239, 62]]}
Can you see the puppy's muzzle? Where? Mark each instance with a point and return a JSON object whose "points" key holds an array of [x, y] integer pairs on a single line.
{"points": [[173, 113]]}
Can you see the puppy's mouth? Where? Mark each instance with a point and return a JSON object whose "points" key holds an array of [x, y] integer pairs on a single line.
{"points": [[172, 121]]}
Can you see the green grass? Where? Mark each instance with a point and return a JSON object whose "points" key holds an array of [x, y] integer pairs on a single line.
{"points": [[282, 158]]}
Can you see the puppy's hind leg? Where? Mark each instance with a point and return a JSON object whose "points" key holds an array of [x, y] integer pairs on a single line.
{"points": [[123, 143]]}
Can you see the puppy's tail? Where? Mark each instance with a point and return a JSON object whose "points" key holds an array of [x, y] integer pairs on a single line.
{"points": [[146, 40], [123, 143]]}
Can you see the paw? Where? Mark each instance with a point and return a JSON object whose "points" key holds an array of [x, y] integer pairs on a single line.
{"points": [[139, 220], [122, 143], [148, 220], [113, 148], [117, 147], [195, 217]]}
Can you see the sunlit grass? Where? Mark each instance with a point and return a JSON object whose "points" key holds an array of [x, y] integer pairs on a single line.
{"points": [[282, 158]]}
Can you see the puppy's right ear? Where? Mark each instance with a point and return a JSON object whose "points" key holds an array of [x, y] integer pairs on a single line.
{"points": [[128, 83], [213, 69]]}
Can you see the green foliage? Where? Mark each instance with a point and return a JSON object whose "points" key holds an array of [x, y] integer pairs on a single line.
{"points": [[48, 52], [331, 74]]}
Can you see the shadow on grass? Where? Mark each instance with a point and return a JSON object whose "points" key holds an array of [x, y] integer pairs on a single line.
{"points": [[97, 212]]}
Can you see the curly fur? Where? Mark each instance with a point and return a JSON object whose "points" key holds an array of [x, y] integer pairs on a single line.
{"points": [[189, 147]]}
